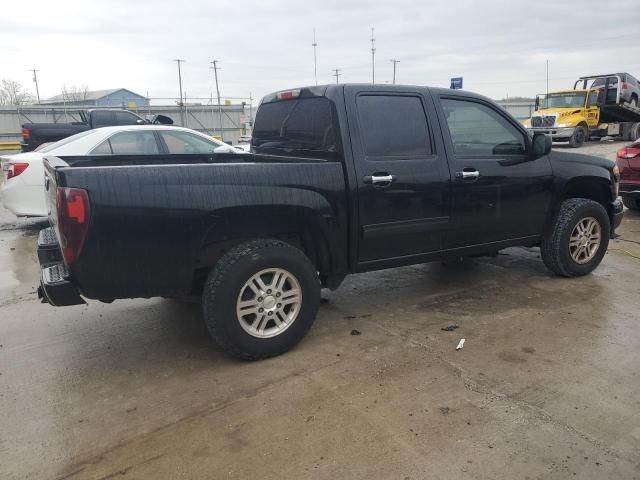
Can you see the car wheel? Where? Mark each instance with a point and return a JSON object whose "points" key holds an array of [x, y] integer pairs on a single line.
{"points": [[260, 299], [578, 138], [578, 240]]}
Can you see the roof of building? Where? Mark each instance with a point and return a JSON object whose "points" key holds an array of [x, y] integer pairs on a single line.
{"points": [[90, 95]]}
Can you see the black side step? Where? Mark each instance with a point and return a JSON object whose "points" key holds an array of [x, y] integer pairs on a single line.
{"points": [[48, 247]]}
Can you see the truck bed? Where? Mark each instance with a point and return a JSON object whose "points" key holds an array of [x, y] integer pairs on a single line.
{"points": [[145, 206]]}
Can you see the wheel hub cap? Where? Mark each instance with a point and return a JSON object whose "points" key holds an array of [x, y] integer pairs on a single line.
{"points": [[269, 302], [585, 240]]}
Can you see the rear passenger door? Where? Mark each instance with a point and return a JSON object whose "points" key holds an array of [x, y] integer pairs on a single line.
{"points": [[401, 175], [498, 192]]}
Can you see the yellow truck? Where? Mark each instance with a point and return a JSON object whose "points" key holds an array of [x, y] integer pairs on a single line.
{"points": [[574, 116]]}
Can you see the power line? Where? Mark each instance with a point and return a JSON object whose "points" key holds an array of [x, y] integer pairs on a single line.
{"points": [[35, 80], [395, 62], [373, 55], [315, 56], [337, 74], [215, 73], [179, 61]]}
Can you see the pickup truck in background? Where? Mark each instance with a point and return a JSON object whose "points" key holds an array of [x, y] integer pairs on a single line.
{"points": [[341, 179], [35, 134]]}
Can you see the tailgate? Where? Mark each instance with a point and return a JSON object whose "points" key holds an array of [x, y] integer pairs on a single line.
{"points": [[50, 185]]}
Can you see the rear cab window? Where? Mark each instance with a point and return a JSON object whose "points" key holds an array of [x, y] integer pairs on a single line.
{"points": [[303, 127], [393, 126]]}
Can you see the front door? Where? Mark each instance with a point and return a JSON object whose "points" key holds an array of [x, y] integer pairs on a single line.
{"points": [[593, 109], [498, 192], [402, 177]]}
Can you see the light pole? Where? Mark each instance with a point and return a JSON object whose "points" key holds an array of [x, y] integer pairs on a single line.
{"points": [[179, 61], [395, 62], [215, 73], [35, 80], [373, 55], [315, 56]]}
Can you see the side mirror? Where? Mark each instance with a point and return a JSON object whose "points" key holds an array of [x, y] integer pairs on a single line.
{"points": [[223, 149], [140, 121], [540, 145]]}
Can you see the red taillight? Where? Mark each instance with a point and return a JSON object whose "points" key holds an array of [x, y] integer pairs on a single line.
{"points": [[26, 134], [73, 210], [15, 169], [629, 152]]}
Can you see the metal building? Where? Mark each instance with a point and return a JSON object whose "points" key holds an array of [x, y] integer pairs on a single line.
{"points": [[115, 97]]}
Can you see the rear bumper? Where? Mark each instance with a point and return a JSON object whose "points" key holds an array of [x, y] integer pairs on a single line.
{"points": [[56, 287], [631, 193], [617, 213]]}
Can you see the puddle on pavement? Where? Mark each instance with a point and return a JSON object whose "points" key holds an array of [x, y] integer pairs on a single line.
{"points": [[19, 269]]}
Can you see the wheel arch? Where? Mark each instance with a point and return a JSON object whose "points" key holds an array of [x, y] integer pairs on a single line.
{"points": [[300, 226]]}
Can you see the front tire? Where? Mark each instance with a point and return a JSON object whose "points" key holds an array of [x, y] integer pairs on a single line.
{"points": [[261, 299], [579, 137], [579, 239]]}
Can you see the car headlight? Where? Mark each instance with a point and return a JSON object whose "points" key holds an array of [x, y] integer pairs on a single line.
{"points": [[563, 125]]}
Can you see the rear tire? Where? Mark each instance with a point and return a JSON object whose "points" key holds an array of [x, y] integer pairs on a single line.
{"points": [[235, 301], [579, 136], [569, 252]]}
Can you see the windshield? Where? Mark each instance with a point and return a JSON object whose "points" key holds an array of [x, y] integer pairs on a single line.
{"points": [[64, 141], [563, 100]]}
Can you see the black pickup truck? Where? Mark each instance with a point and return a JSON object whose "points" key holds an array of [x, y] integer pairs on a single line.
{"points": [[35, 134], [341, 179]]}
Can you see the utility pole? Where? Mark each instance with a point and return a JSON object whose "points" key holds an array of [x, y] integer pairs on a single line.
{"points": [[337, 74], [215, 73], [315, 56], [373, 55], [547, 98], [251, 112], [395, 62], [179, 61], [35, 80]]}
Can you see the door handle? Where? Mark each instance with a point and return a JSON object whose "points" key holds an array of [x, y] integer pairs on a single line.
{"points": [[381, 179], [468, 174]]}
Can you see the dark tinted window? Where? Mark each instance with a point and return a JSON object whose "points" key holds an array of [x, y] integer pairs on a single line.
{"points": [[102, 119], [478, 130], [303, 127], [125, 118], [392, 126], [129, 143]]}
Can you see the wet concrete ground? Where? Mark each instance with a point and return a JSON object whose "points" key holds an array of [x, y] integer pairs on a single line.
{"points": [[546, 386]]}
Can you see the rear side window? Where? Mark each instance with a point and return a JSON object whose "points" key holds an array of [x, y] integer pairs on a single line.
{"points": [[129, 143], [393, 126], [183, 142], [478, 130], [304, 127]]}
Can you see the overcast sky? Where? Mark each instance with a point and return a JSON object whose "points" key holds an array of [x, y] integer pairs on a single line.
{"points": [[499, 47]]}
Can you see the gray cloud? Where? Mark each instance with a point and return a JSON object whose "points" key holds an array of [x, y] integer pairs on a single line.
{"points": [[499, 47]]}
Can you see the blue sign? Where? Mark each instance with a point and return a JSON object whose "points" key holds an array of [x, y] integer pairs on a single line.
{"points": [[456, 83]]}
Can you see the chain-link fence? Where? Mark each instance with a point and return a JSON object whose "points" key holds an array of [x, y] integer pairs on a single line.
{"points": [[228, 121]]}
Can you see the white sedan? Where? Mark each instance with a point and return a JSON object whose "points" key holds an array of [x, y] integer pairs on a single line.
{"points": [[22, 191]]}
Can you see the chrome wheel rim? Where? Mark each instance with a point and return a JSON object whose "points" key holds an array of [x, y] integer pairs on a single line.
{"points": [[585, 240], [269, 302]]}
